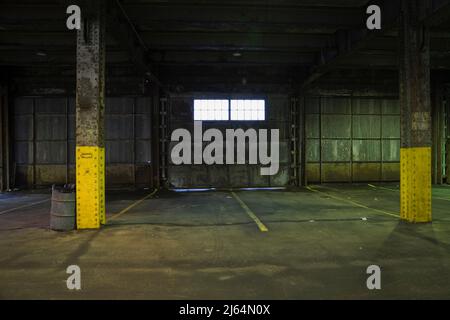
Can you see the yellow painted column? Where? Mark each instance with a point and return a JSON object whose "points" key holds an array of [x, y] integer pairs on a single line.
{"points": [[90, 187], [90, 105], [101, 187], [415, 184], [415, 109]]}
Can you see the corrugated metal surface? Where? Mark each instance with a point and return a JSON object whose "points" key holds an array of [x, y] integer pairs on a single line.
{"points": [[347, 139], [45, 140], [277, 117], [352, 139]]}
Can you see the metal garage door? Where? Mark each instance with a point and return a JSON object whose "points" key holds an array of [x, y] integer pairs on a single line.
{"points": [[224, 176]]}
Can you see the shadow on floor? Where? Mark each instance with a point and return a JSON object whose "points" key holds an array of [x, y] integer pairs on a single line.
{"points": [[418, 241]]}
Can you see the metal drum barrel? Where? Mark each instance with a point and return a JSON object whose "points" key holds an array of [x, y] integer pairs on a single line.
{"points": [[62, 213]]}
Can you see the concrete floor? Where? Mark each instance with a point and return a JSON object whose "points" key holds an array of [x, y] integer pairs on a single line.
{"points": [[204, 245]]}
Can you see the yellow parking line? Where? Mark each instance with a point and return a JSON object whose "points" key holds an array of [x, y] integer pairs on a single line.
{"points": [[24, 206], [355, 203], [439, 198], [383, 188], [132, 205], [250, 213], [395, 190]]}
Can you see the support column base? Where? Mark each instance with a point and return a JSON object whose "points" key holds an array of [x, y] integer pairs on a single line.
{"points": [[90, 187], [415, 184]]}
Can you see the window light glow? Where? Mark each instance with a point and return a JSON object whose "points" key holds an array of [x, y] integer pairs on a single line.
{"points": [[211, 109], [241, 109], [248, 110]]}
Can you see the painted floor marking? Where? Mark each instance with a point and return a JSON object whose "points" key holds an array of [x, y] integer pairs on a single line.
{"points": [[24, 206], [134, 204], [250, 213], [356, 203], [395, 190]]}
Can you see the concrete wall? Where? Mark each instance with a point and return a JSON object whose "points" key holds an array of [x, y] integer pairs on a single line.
{"points": [[277, 117], [351, 139], [44, 141]]}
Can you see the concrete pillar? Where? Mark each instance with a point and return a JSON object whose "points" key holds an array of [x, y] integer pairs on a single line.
{"points": [[2, 144], [438, 126], [2, 171], [415, 152], [5, 144], [446, 163], [90, 106], [156, 137]]}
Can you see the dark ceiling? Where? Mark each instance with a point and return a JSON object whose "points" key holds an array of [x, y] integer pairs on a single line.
{"points": [[284, 40]]}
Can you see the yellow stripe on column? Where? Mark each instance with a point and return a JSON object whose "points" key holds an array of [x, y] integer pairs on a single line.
{"points": [[101, 188], [90, 187], [415, 184]]}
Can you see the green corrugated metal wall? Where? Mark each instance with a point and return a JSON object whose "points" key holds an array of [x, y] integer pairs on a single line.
{"points": [[352, 139]]}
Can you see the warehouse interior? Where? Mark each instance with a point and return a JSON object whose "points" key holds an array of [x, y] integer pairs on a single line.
{"points": [[364, 149]]}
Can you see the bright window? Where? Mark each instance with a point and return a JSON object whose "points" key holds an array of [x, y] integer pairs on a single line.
{"points": [[211, 109], [234, 109], [248, 110]]}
